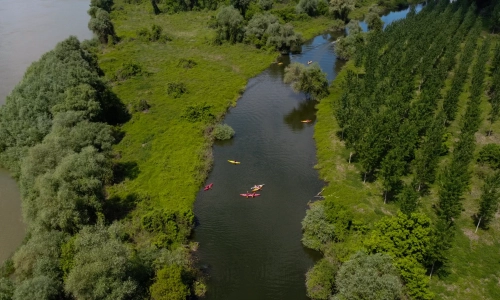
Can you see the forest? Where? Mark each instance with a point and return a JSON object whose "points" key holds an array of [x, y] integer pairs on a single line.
{"points": [[110, 140], [407, 141]]}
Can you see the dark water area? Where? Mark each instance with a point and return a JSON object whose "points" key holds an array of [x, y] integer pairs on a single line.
{"points": [[29, 28], [251, 248]]}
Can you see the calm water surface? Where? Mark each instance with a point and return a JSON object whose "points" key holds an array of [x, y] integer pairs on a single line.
{"points": [[251, 248], [29, 28]]}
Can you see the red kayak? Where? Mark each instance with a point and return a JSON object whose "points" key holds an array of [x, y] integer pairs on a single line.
{"points": [[251, 195], [208, 187]]}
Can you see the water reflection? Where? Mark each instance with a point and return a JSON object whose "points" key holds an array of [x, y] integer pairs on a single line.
{"points": [[305, 111]]}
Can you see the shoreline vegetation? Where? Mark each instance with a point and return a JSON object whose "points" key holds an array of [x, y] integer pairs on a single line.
{"points": [[109, 162], [425, 213]]}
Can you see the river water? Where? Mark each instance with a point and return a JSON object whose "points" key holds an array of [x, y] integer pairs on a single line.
{"points": [[29, 28], [251, 248]]}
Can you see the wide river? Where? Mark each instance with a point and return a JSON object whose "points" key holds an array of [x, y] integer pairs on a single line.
{"points": [[251, 248], [29, 28]]}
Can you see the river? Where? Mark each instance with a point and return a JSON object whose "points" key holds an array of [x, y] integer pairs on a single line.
{"points": [[29, 28], [251, 248]]}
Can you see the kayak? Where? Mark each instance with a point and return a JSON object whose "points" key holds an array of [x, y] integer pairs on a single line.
{"points": [[257, 187], [306, 121], [251, 195], [234, 162], [208, 187]]}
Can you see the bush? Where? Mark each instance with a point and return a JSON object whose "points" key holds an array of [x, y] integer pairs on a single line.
{"points": [[309, 7], [155, 34], [490, 154], [128, 70], [318, 231], [176, 89], [320, 280], [229, 25], [186, 63], [101, 25], [141, 105], [266, 4], [368, 277], [223, 132], [169, 284], [199, 112]]}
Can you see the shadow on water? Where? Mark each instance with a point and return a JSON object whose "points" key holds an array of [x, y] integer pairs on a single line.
{"points": [[305, 111]]}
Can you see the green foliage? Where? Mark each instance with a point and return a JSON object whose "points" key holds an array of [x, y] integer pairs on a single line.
{"points": [[169, 227], [374, 22], [266, 4], [155, 34], [490, 198], [310, 80], [201, 112], [490, 154], [341, 8], [103, 4], [229, 25], [40, 287], [67, 256], [309, 7], [43, 245], [101, 26], [407, 238], [186, 63], [223, 132], [320, 280], [102, 265], [200, 289], [318, 231], [169, 284], [345, 47], [142, 106], [176, 89], [128, 70], [368, 277], [408, 199], [6, 289]]}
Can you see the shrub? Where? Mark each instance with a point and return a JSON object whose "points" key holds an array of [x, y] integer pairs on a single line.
{"points": [[490, 154], [320, 280], [223, 132], [266, 4], [186, 63], [155, 34], [101, 25], [128, 70], [176, 89], [368, 277], [199, 112], [309, 7], [141, 105], [169, 284]]}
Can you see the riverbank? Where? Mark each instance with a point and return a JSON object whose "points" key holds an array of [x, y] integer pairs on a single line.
{"points": [[472, 272]]}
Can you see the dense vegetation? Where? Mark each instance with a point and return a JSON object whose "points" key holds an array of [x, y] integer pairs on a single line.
{"points": [[399, 132]]}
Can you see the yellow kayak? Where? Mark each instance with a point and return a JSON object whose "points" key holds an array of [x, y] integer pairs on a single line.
{"points": [[234, 162]]}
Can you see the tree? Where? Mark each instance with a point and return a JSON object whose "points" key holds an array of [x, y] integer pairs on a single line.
{"points": [[156, 10], [101, 266], [311, 80], [490, 154], [40, 287], [318, 231], [230, 25], [102, 4], [309, 7], [6, 289], [283, 38], [320, 280], [169, 284], [489, 200], [102, 26], [374, 22], [368, 277], [346, 47], [408, 199], [341, 8]]}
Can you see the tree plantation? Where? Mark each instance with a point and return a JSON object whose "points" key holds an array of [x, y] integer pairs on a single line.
{"points": [[110, 140], [413, 122]]}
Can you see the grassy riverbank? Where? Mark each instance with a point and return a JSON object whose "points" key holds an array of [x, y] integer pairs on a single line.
{"points": [[472, 272]]}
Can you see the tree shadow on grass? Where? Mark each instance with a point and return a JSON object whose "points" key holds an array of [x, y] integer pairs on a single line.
{"points": [[125, 170], [116, 208]]}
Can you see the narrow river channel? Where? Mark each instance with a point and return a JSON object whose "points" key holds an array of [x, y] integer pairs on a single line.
{"points": [[251, 248], [28, 29]]}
